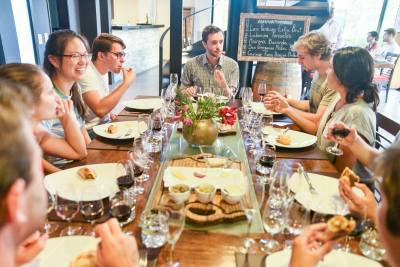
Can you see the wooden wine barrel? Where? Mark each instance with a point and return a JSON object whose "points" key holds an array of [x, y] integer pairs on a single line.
{"points": [[284, 78]]}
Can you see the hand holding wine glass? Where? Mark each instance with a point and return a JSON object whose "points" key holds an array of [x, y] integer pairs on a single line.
{"points": [[339, 132], [347, 140]]}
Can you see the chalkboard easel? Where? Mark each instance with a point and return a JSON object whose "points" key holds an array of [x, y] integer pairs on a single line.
{"points": [[268, 37]]}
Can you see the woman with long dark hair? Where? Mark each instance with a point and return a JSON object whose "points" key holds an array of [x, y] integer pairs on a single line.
{"points": [[65, 61], [350, 74]]}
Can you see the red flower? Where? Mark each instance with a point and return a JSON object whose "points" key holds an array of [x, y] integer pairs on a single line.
{"points": [[176, 118]]}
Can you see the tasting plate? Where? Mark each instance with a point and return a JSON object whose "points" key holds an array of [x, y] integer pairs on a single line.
{"points": [[332, 259], [144, 104], [299, 139], [328, 189], [259, 108], [123, 128], [105, 181], [212, 177], [59, 251]]}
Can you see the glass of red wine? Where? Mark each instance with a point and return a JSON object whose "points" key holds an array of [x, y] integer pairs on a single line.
{"points": [[265, 160], [122, 207], [92, 207], [67, 206], [124, 174], [262, 90], [339, 131], [137, 161]]}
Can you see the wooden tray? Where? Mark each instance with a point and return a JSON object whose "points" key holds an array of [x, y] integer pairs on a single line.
{"points": [[222, 131], [215, 212]]}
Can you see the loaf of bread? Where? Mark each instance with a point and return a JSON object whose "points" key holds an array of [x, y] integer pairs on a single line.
{"points": [[349, 177], [87, 173], [112, 129], [85, 259], [284, 140]]}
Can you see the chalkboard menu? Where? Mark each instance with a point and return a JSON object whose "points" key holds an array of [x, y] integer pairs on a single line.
{"points": [[267, 37]]}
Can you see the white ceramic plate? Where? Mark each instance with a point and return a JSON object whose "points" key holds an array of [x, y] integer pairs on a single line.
{"points": [[105, 181], [327, 188], [212, 177], [123, 128], [144, 104], [259, 108], [60, 251], [299, 139], [332, 259]]}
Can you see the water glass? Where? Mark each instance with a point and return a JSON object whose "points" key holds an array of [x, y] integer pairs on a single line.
{"points": [[370, 245], [155, 229]]}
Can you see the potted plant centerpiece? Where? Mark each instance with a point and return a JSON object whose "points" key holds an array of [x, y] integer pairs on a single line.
{"points": [[200, 126]]}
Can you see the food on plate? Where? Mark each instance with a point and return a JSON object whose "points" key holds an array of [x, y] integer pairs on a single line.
{"points": [[199, 175], [128, 125], [338, 226], [178, 189], [225, 174], [284, 140], [204, 189], [349, 177], [233, 189], [178, 174], [112, 129], [87, 173], [216, 162], [85, 259]]}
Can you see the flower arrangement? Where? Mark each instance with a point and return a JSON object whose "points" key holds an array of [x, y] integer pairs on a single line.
{"points": [[205, 108]]}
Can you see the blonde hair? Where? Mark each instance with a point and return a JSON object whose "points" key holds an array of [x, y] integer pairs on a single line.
{"points": [[314, 43]]}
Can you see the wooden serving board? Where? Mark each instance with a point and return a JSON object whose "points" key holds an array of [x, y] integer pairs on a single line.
{"points": [[215, 212], [222, 130]]}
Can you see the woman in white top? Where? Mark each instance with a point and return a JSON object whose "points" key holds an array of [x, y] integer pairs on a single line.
{"points": [[350, 74]]}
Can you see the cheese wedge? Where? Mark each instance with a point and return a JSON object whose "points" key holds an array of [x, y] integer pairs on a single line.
{"points": [[129, 125], [216, 162], [225, 174], [178, 174]]}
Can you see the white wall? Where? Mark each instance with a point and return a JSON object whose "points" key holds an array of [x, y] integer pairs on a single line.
{"points": [[24, 34], [126, 11], [163, 18], [202, 19]]}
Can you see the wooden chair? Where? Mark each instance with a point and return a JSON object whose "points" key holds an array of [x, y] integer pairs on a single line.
{"points": [[386, 74], [386, 130]]}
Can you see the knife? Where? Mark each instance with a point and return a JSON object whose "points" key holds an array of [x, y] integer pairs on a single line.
{"points": [[284, 132]]}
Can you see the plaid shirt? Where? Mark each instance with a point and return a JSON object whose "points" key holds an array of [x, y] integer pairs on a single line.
{"points": [[199, 72]]}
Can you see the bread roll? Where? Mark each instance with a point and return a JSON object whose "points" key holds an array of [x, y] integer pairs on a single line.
{"points": [[87, 173], [349, 177], [85, 259], [112, 129], [338, 226]]}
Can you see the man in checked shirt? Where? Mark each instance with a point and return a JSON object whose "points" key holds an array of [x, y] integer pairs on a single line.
{"points": [[211, 69]]}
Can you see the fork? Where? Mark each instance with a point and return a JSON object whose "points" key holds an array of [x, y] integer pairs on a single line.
{"points": [[127, 134], [284, 132], [143, 258], [311, 188]]}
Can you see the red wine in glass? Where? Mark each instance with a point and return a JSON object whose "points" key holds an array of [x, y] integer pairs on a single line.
{"points": [[138, 171], [157, 125], [125, 182], [91, 211], [340, 133], [267, 161], [121, 212], [262, 95]]}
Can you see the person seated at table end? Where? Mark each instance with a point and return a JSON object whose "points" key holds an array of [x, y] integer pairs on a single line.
{"points": [[211, 69], [350, 74], [307, 253], [314, 53], [108, 56], [23, 202]]}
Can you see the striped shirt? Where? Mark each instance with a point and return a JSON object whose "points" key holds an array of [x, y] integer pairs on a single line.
{"points": [[198, 72]]}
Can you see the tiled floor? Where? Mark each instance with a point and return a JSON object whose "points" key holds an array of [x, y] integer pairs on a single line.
{"points": [[146, 83]]}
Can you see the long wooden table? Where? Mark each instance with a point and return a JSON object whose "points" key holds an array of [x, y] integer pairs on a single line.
{"points": [[194, 248]]}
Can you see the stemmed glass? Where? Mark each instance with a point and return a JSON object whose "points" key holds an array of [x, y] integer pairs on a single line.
{"points": [[156, 118], [67, 206], [262, 90], [273, 219], [267, 121], [145, 135], [247, 245], [357, 213], [234, 92], [49, 227], [265, 161], [92, 207], [174, 79], [124, 174], [254, 131], [140, 152], [122, 205], [176, 223], [137, 164], [297, 220], [339, 132]]}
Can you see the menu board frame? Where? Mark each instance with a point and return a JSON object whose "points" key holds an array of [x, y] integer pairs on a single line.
{"points": [[244, 16]]}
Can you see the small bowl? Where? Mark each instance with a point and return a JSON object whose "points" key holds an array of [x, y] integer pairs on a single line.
{"points": [[180, 197], [205, 197], [231, 197]]}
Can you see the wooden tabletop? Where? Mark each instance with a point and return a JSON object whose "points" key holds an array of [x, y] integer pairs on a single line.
{"points": [[194, 248]]}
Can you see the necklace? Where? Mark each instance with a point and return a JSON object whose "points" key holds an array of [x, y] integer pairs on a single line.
{"points": [[343, 103]]}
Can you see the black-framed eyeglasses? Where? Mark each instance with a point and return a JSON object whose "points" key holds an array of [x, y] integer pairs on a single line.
{"points": [[77, 57], [119, 55]]}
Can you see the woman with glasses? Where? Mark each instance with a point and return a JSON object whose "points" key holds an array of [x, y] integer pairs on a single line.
{"points": [[47, 105], [65, 61]]}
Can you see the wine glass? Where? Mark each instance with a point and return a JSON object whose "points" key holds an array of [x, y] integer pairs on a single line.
{"points": [[176, 223], [140, 153], [297, 220], [273, 219], [124, 174], [145, 135], [49, 227], [247, 245], [67, 206], [339, 132], [321, 213], [358, 213], [265, 161], [234, 91], [259, 189], [262, 90], [137, 163], [267, 126], [156, 118], [278, 186], [254, 140], [122, 204], [92, 207], [174, 79]]}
